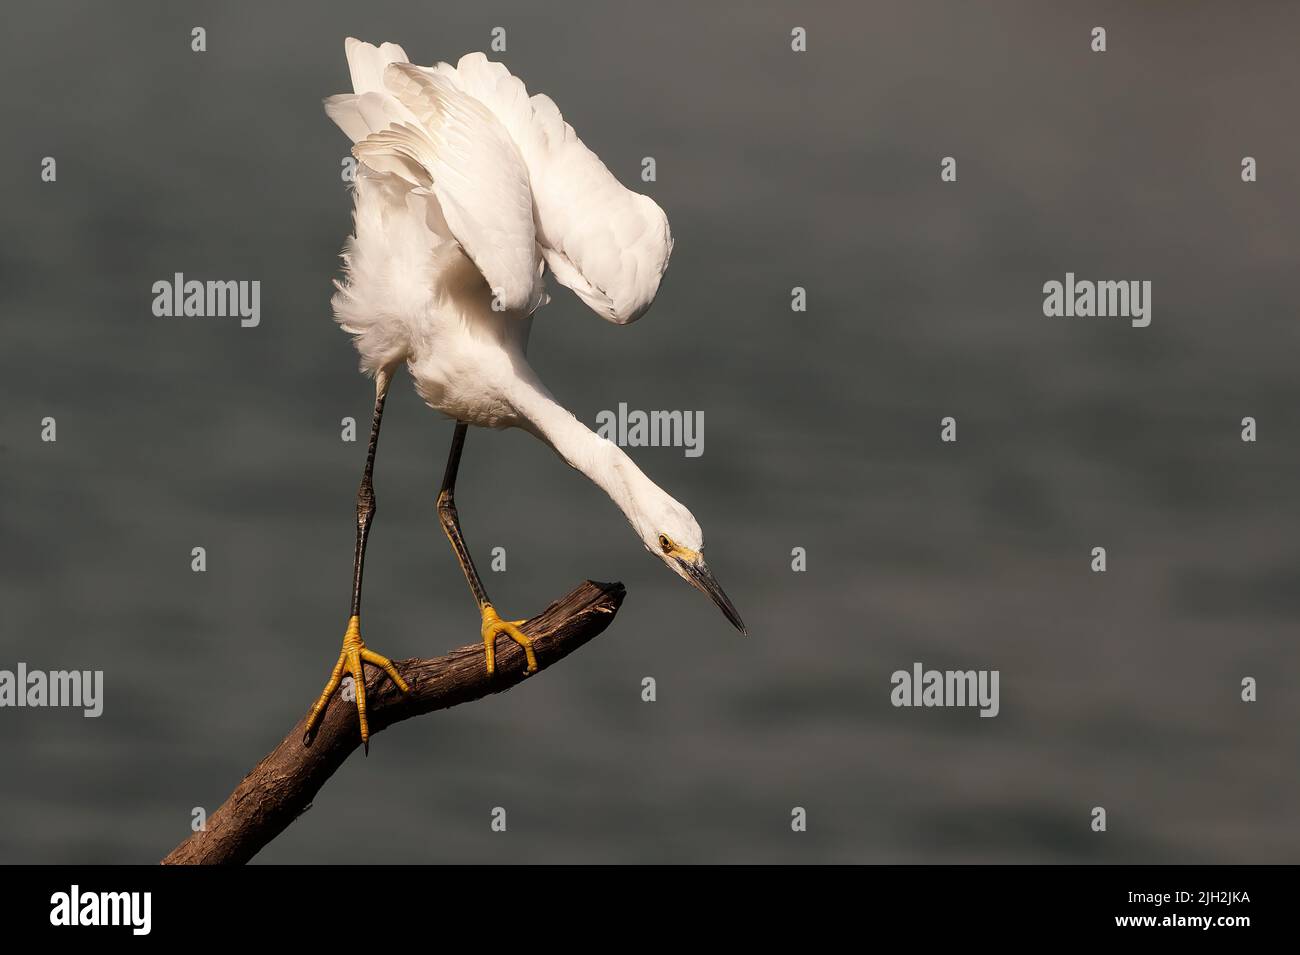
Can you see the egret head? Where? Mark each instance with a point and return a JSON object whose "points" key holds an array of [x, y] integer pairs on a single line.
{"points": [[670, 532]]}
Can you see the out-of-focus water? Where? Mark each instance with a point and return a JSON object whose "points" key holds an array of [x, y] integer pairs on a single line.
{"points": [[777, 169]]}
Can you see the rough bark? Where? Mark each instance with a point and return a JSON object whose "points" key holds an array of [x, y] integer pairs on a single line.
{"points": [[281, 787]]}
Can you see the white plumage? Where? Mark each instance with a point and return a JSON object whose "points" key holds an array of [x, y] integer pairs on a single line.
{"points": [[467, 190], [492, 156]]}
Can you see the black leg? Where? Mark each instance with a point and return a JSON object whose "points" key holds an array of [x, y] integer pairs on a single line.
{"points": [[355, 653], [492, 625], [450, 520], [366, 494]]}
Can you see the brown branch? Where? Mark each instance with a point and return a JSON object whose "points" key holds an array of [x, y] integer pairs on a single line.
{"points": [[281, 787]]}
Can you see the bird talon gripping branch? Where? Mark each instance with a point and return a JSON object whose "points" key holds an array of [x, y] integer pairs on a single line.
{"points": [[351, 657], [493, 627]]}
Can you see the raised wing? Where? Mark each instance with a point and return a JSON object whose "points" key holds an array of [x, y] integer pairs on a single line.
{"points": [[604, 241], [419, 126]]}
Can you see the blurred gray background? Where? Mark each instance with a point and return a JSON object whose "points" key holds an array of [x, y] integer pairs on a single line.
{"points": [[776, 169]]}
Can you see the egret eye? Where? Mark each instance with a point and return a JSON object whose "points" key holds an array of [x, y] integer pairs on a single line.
{"points": [[665, 543]]}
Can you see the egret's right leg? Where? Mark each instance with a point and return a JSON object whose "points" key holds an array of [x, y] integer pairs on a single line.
{"points": [[355, 652], [492, 625]]}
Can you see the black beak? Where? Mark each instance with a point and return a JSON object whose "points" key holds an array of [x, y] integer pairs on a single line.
{"points": [[702, 578]]}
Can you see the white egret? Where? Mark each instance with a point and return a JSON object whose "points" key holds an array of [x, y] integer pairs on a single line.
{"points": [[467, 189]]}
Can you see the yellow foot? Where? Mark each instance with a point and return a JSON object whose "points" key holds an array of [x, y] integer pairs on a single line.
{"points": [[350, 659], [493, 627]]}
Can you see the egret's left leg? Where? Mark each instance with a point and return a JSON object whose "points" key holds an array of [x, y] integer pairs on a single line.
{"points": [[492, 625]]}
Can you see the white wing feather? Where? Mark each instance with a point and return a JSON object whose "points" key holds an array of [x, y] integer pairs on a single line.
{"points": [[513, 180], [439, 139], [477, 174], [604, 241]]}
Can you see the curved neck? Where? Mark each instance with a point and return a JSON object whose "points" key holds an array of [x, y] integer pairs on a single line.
{"points": [[582, 449]]}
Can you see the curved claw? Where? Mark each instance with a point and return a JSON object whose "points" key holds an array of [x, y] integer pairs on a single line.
{"points": [[351, 659]]}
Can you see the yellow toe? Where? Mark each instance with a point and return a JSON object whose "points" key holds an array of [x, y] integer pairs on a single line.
{"points": [[352, 658], [493, 626]]}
